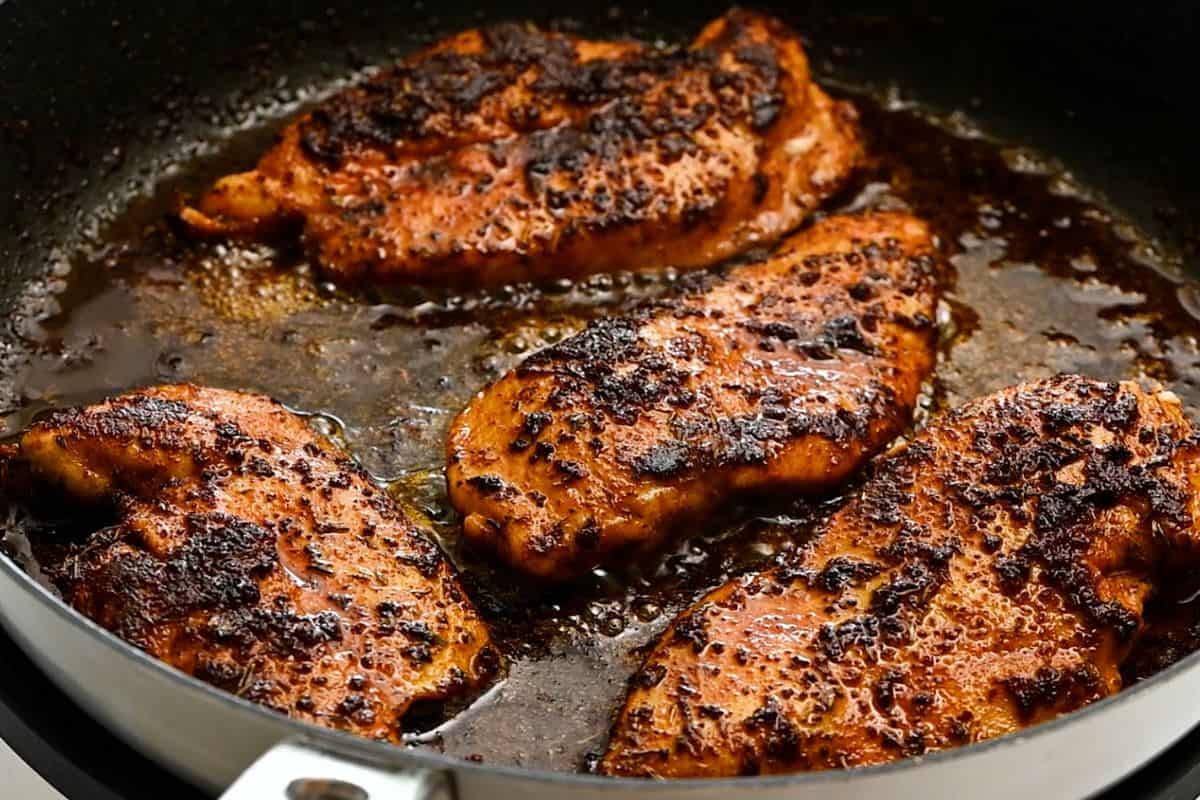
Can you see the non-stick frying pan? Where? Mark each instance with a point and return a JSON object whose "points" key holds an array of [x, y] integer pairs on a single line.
{"points": [[98, 99]]}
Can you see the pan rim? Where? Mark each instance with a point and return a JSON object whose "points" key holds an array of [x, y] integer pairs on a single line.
{"points": [[9, 568], [381, 752]]}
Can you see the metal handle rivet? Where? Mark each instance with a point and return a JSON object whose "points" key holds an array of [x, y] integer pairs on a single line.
{"points": [[322, 789]]}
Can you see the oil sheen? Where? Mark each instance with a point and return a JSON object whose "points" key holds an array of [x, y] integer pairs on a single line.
{"points": [[1047, 279]]}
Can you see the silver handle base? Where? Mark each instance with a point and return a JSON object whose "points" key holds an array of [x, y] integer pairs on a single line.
{"points": [[296, 770]]}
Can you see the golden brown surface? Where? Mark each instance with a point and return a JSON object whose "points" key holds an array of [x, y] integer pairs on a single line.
{"points": [[515, 154], [250, 553], [780, 375], [991, 576]]}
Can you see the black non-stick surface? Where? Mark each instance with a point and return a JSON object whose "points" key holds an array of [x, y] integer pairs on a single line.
{"points": [[1050, 277]]}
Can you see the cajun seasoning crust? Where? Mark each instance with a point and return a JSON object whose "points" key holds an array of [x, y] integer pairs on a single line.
{"points": [[991, 576], [780, 375], [250, 553], [516, 154]]}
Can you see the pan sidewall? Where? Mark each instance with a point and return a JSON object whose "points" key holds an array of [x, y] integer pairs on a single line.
{"points": [[209, 738]]}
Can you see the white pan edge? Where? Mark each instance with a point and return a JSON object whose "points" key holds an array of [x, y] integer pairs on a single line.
{"points": [[208, 738]]}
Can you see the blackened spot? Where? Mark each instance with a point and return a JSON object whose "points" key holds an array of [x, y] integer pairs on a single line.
{"points": [[1040, 691], [691, 628], [782, 736], [650, 676], [911, 586], [842, 571], [837, 640], [861, 291], [573, 470], [885, 689], [1014, 571], [418, 631], [536, 422], [664, 460], [487, 484], [773, 329], [761, 184]]}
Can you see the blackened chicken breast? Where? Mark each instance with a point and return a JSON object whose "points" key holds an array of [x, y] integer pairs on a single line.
{"points": [[513, 153], [249, 552], [781, 375], [991, 576]]}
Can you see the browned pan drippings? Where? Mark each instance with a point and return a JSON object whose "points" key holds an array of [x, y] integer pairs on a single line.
{"points": [[1047, 282]]}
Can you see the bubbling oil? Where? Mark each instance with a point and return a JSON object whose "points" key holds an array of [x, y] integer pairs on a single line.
{"points": [[1048, 279]]}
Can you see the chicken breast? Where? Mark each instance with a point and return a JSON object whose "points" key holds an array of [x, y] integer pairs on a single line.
{"points": [[991, 576], [514, 154], [246, 551], [780, 375]]}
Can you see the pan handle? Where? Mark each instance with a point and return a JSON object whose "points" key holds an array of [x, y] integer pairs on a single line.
{"points": [[298, 770]]}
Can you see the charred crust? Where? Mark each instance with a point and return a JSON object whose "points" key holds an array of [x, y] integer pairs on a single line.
{"points": [[424, 555], [1048, 688], [842, 571], [1016, 488], [781, 736], [640, 392], [589, 143], [217, 569], [1013, 571], [489, 485], [664, 460], [649, 676], [535, 422], [885, 689], [417, 100], [570, 470], [152, 422], [691, 628], [911, 585], [193, 570], [835, 640]]}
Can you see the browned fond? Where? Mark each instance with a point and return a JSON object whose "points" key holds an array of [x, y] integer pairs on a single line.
{"points": [[516, 154], [991, 576], [250, 553], [780, 375]]}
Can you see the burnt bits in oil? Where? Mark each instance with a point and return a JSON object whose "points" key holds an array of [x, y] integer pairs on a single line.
{"points": [[1048, 279]]}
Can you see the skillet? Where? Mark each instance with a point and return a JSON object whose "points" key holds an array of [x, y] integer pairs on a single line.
{"points": [[99, 102]]}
